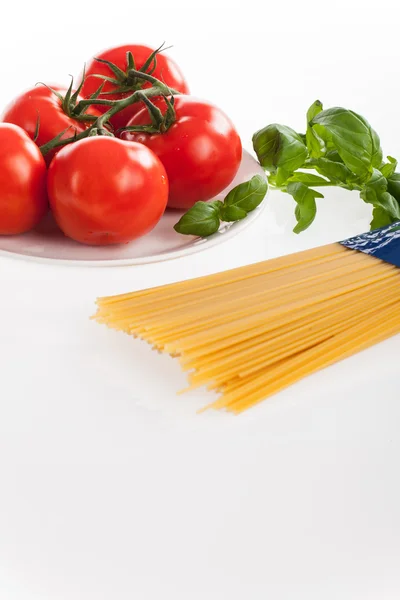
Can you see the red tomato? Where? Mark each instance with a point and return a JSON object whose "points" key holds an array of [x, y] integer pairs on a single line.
{"points": [[41, 102], [104, 191], [201, 151], [23, 197], [166, 71]]}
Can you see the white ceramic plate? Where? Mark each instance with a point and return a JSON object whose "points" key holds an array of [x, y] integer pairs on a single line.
{"points": [[47, 242]]}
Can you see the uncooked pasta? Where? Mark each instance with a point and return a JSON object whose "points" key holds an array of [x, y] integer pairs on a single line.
{"points": [[250, 332]]}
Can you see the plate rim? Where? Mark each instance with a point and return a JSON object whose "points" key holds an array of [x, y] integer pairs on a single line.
{"points": [[213, 240], [197, 245]]}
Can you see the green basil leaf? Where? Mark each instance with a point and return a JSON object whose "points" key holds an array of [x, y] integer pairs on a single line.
{"points": [[389, 168], [375, 192], [356, 142], [315, 108], [377, 155], [202, 220], [279, 146], [334, 156], [380, 218], [281, 176], [306, 208], [248, 195], [390, 204], [272, 179], [325, 137], [216, 204], [336, 172], [394, 185], [314, 143], [308, 179], [232, 213], [376, 185]]}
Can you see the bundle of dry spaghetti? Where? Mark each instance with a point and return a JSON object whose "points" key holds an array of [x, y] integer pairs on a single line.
{"points": [[252, 331]]}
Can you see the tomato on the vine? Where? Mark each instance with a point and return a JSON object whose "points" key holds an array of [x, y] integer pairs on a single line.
{"points": [[41, 108], [166, 70], [104, 191], [23, 197], [201, 151]]}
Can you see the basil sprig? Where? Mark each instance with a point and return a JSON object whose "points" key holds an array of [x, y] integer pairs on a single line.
{"points": [[343, 149], [204, 218]]}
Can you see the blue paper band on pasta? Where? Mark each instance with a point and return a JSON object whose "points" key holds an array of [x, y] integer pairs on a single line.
{"points": [[384, 243]]}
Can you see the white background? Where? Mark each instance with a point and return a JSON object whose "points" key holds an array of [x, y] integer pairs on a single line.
{"points": [[111, 487]]}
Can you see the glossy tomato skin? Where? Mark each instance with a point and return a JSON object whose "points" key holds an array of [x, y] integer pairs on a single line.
{"points": [[105, 191], [166, 70], [201, 151], [43, 103], [23, 196]]}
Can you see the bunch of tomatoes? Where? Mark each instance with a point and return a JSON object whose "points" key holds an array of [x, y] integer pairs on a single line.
{"points": [[108, 157]]}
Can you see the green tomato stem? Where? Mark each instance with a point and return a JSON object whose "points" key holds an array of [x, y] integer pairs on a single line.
{"points": [[98, 126]]}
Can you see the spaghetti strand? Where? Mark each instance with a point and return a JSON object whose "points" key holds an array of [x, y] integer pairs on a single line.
{"points": [[250, 332]]}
